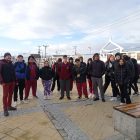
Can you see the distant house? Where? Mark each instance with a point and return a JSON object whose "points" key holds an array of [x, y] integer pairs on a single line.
{"points": [[131, 49]]}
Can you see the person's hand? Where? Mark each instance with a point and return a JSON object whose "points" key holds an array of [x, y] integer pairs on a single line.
{"points": [[78, 75]]}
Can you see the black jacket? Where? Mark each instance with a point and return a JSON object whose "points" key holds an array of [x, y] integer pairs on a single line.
{"points": [[7, 72], [79, 70], [122, 74], [97, 68], [109, 69], [131, 68], [46, 73]]}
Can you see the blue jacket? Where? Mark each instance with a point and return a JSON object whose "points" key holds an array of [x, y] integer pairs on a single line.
{"points": [[20, 68]]}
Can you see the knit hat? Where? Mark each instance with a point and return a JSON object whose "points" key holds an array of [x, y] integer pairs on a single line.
{"points": [[7, 54]]}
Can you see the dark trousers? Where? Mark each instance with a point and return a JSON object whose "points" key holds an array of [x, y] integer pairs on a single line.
{"points": [[30, 84], [53, 83], [124, 94], [8, 89], [71, 84], [19, 87], [82, 88], [65, 86], [134, 85], [129, 87], [111, 80]]}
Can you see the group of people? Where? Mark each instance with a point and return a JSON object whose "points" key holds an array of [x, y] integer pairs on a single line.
{"points": [[119, 70]]}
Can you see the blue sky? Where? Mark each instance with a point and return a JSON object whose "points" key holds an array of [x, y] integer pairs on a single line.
{"points": [[27, 24]]}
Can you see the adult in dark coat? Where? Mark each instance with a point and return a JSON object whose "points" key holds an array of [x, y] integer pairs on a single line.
{"points": [[7, 80], [122, 77]]}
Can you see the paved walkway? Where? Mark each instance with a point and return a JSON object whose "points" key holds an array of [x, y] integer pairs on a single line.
{"points": [[57, 120]]}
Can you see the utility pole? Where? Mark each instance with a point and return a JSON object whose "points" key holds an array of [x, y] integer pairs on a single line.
{"points": [[45, 46], [75, 49], [39, 51]]}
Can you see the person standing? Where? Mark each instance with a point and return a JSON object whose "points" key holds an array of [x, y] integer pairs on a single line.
{"points": [[90, 85], [123, 76], [132, 70], [20, 68], [71, 80], [79, 74], [136, 77], [46, 74], [32, 75], [56, 75], [97, 68], [110, 77], [7, 80], [65, 71]]}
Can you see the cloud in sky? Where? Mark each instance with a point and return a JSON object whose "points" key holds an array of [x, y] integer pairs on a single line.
{"points": [[67, 23]]}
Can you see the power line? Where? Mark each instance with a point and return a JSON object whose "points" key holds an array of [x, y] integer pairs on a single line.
{"points": [[123, 20]]}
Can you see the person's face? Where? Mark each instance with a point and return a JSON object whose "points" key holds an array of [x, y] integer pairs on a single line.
{"points": [[20, 59], [81, 59], [97, 57], [121, 62], [31, 60], [65, 59], [71, 61], [8, 58], [118, 57], [89, 61], [112, 58], [46, 64], [77, 63]]}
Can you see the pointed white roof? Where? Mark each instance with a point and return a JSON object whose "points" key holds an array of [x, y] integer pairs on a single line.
{"points": [[111, 47]]}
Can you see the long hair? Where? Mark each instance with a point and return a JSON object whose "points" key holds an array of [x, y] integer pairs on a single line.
{"points": [[108, 58]]}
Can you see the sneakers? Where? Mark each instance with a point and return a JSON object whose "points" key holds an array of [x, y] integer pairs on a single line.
{"points": [[23, 102], [12, 108], [61, 98], [103, 100], [113, 99], [86, 97], [90, 95], [36, 97], [6, 113], [96, 99], [135, 93], [122, 103], [69, 98], [15, 104], [79, 97]]}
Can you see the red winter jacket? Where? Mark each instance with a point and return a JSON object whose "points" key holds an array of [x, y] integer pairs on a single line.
{"points": [[64, 71]]}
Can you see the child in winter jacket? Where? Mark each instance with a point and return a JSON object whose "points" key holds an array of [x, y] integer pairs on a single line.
{"points": [[46, 74], [79, 73]]}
